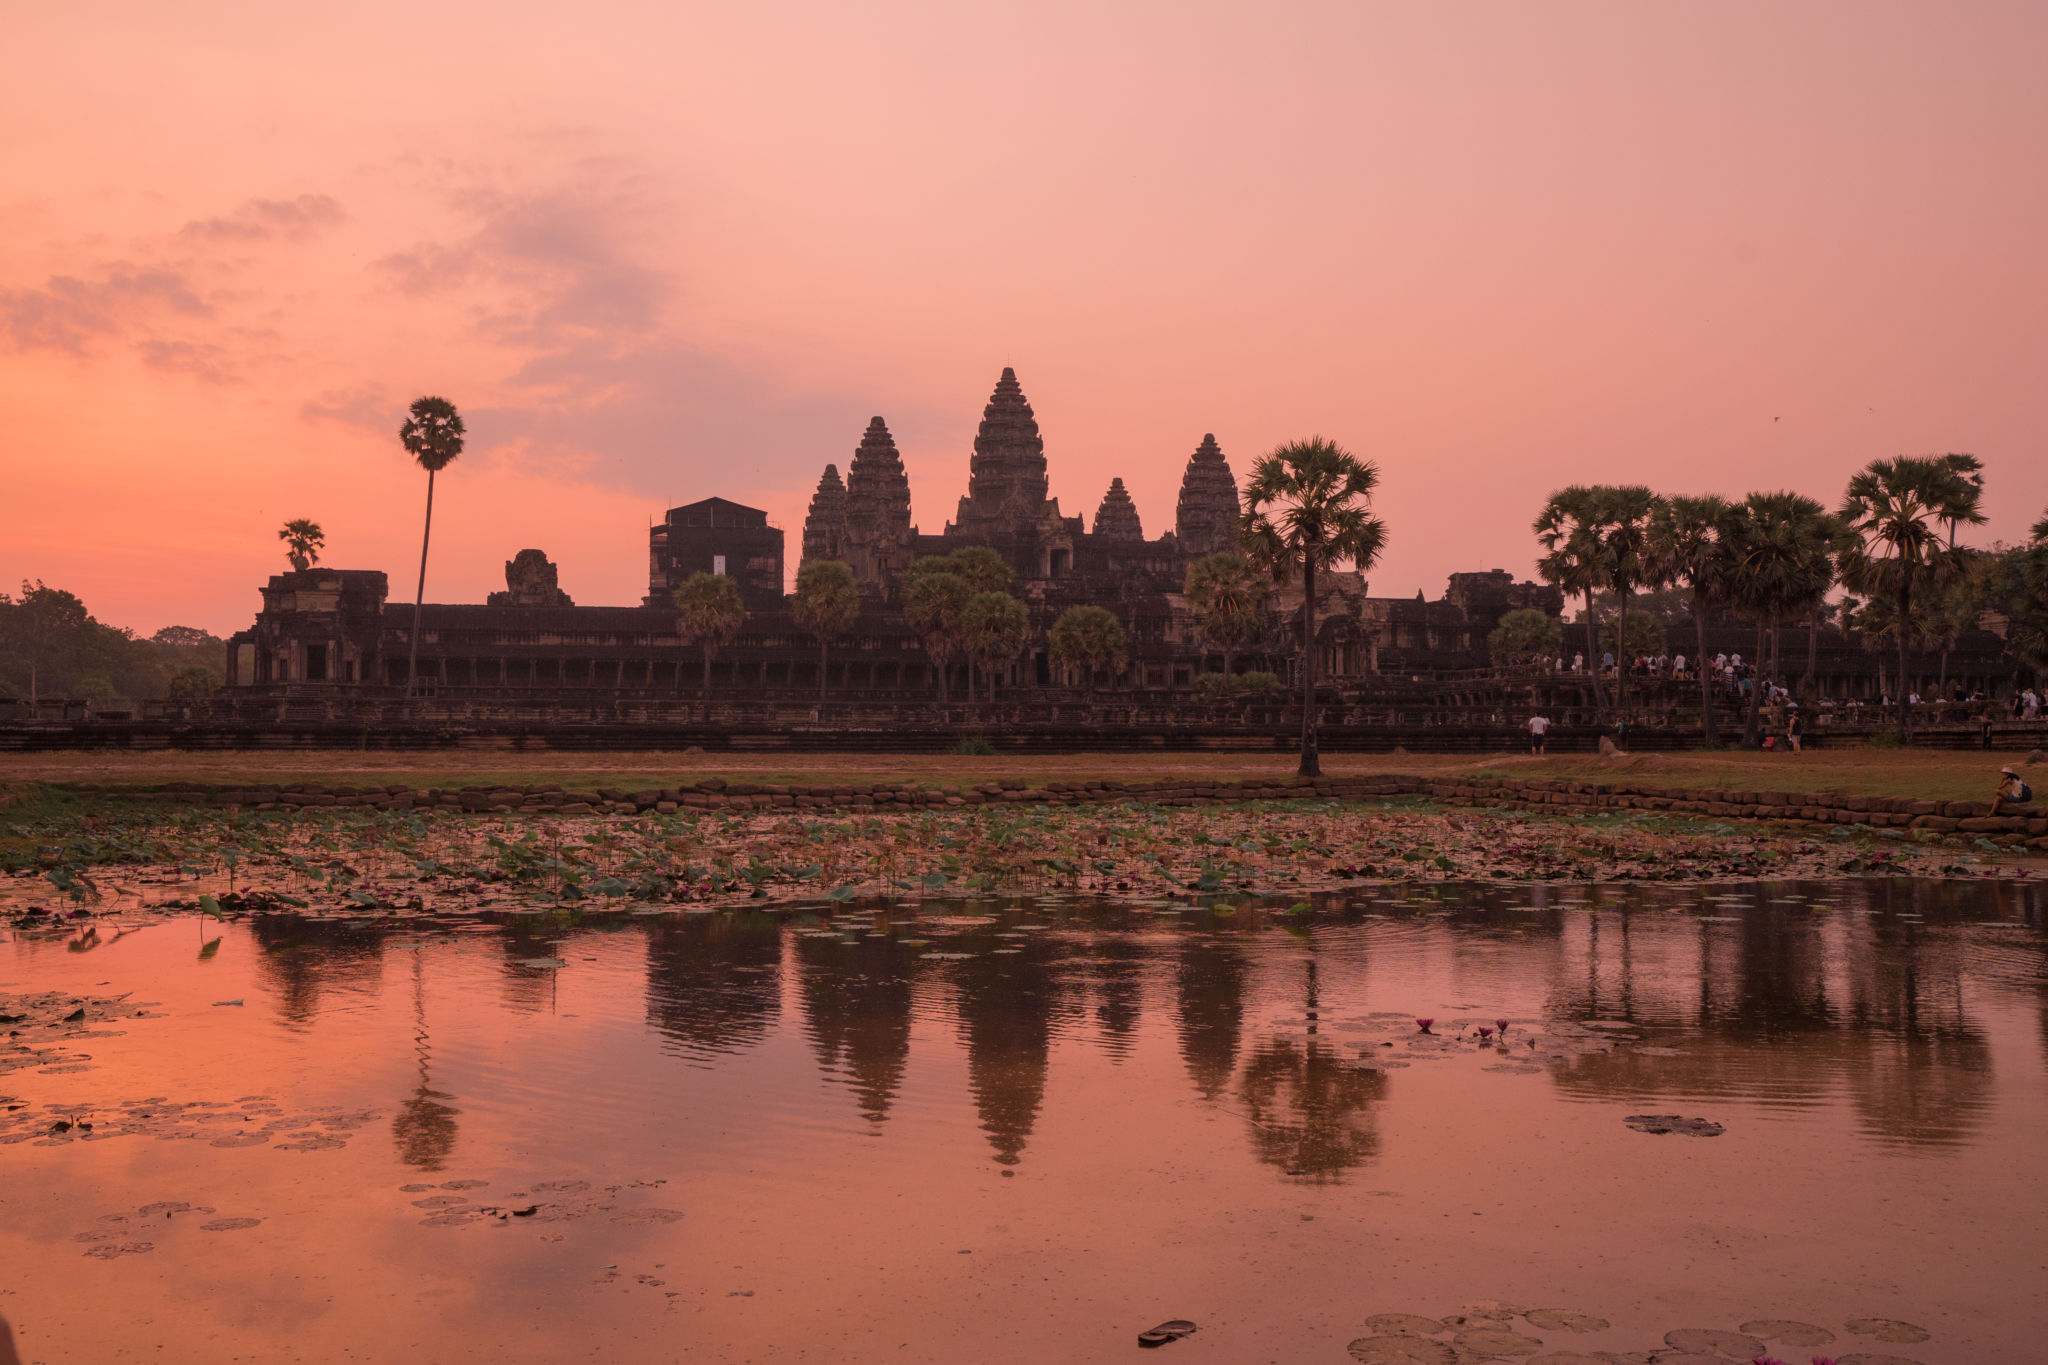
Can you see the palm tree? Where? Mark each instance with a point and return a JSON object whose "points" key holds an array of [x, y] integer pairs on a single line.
{"points": [[303, 541], [1228, 600], [1781, 562], [993, 627], [1090, 639], [1690, 539], [1568, 529], [827, 603], [709, 612], [1308, 506], [432, 435], [1894, 508], [933, 594], [1626, 516]]}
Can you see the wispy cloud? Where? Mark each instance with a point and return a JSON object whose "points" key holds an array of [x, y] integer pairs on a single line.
{"points": [[260, 220], [67, 312]]}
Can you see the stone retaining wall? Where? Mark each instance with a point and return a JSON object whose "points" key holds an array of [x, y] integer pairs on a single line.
{"points": [[1929, 818]]}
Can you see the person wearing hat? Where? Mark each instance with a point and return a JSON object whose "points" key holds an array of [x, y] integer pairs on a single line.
{"points": [[2011, 791]]}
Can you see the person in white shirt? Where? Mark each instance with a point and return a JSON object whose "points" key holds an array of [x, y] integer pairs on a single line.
{"points": [[1537, 726], [1678, 665], [2030, 702]]}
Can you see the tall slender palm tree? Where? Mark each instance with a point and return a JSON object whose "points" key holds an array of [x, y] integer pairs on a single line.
{"points": [[1568, 529], [1228, 600], [1782, 562], [1897, 508], [1627, 515], [827, 603], [1691, 539], [1308, 506], [432, 435]]}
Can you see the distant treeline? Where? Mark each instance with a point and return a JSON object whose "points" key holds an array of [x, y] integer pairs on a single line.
{"points": [[50, 646]]}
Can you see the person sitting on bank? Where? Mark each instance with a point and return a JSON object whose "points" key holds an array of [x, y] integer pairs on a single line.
{"points": [[2011, 791]]}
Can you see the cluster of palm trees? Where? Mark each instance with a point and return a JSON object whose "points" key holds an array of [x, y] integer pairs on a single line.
{"points": [[1772, 557]]}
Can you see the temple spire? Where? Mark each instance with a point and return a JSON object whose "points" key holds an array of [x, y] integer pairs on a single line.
{"points": [[1205, 520], [1117, 518], [1006, 476], [825, 524], [878, 528]]}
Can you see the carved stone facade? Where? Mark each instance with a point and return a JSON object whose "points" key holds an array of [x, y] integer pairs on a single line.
{"points": [[1206, 519], [878, 530], [825, 524], [530, 581], [1117, 518]]}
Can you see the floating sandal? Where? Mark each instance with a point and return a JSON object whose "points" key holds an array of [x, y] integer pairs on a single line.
{"points": [[1165, 1332]]}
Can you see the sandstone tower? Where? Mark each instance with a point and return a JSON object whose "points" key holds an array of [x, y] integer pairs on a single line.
{"points": [[1006, 482], [878, 529], [1117, 518], [825, 524], [1206, 520]]}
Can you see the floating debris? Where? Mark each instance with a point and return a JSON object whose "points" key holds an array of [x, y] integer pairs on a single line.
{"points": [[1675, 1123]]}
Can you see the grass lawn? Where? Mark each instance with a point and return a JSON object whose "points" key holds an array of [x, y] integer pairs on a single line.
{"points": [[1932, 774]]}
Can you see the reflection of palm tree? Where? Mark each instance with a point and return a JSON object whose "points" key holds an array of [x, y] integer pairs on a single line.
{"points": [[302, 959], [424, 1128], [714, 982], [1005, 1008], [1210, 983], [857, 1008], [1117, 1011], [1311, 1111]]}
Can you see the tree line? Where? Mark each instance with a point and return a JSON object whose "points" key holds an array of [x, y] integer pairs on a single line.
{"points": [[51, 646], [1889, 549]]}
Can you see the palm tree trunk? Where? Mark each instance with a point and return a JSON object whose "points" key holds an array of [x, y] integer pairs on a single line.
{"points": [[1621, 654], [1752, 728], [1228, 655], [821, 668], [1813, 643], [1593, 654], [1905, 616], [1699, 631], [1311, 765], [412, 660], [707, 675]]}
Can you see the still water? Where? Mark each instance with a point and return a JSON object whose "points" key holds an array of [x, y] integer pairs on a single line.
{"points": [[1029, 1130]]}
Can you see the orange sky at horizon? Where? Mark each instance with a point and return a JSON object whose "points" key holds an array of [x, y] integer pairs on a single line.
{"points": [[659, 252]]}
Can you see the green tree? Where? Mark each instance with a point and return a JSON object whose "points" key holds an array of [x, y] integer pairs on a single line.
{"points": [[709, 613], [1782, 563], [1897, 510], [1690, 539], [993, 627], [1569, 530], [933, 595], [303, 541], [1228, 597], [432, 435], [826, 605], [982, 569], [192, 682], [1627, 514], [1524, 636], [1090, 639], [44, 629], [1308, 507]]}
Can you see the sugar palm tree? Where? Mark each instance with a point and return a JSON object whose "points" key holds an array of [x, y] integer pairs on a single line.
{"points": [[1568, 529], [1228, 599], [303, 540], [993, 627], [1308, 507], [1627, 514], [827, 603], [1897, 509], [709, 612], [1090, 639], [1691, 539], [1781, 563], [432, 435]]}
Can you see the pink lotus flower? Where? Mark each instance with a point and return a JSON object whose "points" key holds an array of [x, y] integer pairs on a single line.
{"points": [[1502, 1025], [1484, 1033], [1424, 1024]]}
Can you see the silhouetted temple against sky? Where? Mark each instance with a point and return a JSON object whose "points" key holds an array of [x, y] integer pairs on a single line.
{"points": [[334, 628]]}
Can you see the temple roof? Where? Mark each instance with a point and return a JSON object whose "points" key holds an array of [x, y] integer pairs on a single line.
{"points": [[1117, 518], [1008, 467], [1205, 521]]}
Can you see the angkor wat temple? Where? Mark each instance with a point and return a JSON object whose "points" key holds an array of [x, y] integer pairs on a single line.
{"points": [[325, 629]]}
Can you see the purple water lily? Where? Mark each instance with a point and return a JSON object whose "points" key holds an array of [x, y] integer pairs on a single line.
{"points": [[1424, 1024]]}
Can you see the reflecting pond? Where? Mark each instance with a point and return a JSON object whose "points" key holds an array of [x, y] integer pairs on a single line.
{"points": [[1032, 1129]]}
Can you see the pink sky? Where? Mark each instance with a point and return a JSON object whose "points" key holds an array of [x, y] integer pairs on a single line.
{"points": [[661, 251]]}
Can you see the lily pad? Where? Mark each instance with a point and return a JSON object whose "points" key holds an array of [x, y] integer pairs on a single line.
{"points": [[1403, 1325], [542, 964], [1492, 1343], [1401, 1350], [1789, 1333], [1876, 1358], [1558, 1320], [229, 1224], [1713, 1341], [1887, 1329], [1674, 1123]]}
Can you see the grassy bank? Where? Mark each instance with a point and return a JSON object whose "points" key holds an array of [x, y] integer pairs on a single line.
{"points": [[1946, 775]]}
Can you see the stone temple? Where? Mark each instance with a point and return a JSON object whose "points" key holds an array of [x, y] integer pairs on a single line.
{"points": [[324, 628]]}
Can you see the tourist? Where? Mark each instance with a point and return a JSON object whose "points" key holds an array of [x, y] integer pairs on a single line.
{"points": [[2030, 705], [2011, 791], [1537, 726], [1579, 662], [1984, 727], [1795, 726]]}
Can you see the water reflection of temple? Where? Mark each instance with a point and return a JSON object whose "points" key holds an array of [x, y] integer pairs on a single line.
{"points": [[857, 1009], [1005, 1006], [302, 961], [713, 981], [1780, 1003], [1209, 984]]}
